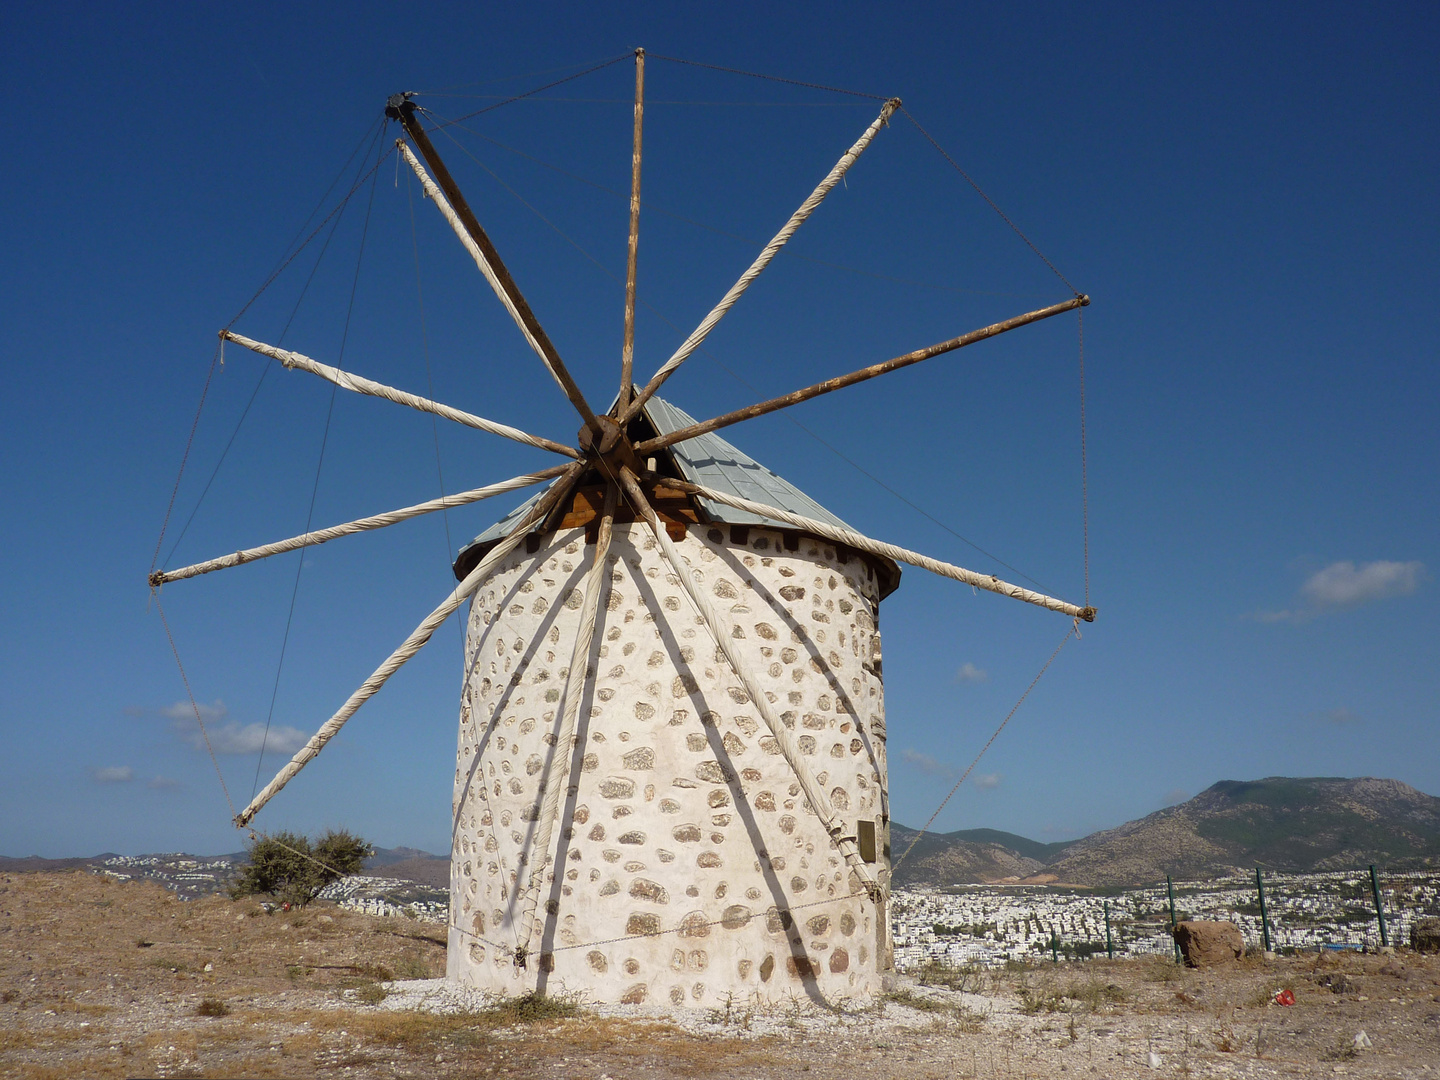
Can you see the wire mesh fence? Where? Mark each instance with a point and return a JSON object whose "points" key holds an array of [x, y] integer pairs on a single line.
{"points": [[987, 924]]}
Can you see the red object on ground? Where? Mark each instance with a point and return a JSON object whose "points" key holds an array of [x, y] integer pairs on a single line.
{"points": [[1285, 997]]}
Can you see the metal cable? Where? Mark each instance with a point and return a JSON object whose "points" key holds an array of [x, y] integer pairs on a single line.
{"points": [[194, 705], [1074, 629], [1003, 216], [723, 366], [1084, 463], [264, 371], [547, 86], [711, 228], [195, 424], [769, 78], [315, 488]]}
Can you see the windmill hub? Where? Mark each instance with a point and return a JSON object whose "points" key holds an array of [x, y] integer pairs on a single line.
{"points": [[612, 449]]}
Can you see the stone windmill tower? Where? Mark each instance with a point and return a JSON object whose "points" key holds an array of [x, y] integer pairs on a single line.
{"points": [[670, 782], [685, 857]]}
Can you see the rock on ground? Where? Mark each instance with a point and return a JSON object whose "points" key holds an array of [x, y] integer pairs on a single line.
{"points": [[1205, 944]]}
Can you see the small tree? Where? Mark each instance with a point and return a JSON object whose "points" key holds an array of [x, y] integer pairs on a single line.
{"points": [[290, 868]]}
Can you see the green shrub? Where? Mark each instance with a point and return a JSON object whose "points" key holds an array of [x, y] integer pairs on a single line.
{"points": [[290, 868]]}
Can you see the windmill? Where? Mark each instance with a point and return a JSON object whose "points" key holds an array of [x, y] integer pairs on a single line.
{"points": [[671, 778]]}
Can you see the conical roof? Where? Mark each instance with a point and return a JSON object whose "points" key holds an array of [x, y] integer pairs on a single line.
{"points": [[712, 462]]}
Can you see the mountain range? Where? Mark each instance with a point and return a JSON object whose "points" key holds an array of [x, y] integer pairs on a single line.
{"points": [[1292, 824]]}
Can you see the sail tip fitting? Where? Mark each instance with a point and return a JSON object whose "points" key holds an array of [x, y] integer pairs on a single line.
{"points": [[396, 104]]}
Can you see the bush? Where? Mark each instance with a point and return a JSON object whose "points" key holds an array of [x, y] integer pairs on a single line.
{"points": [[290, 868]]}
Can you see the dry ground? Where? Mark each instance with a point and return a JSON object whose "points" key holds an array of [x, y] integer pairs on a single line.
{"points": [[104, 979]]}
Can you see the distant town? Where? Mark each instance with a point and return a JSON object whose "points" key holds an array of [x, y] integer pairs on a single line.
{"points": [[988, 925], [982, 925]]}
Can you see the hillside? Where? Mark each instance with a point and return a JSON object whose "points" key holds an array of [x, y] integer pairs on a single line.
{"points": [[964, 857], [1281, 823]]}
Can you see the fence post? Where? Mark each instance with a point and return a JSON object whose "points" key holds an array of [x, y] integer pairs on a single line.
{"points": [[1054, 947], [1109, 942], [1170, 888], [1264, 914], [1379, 907]]}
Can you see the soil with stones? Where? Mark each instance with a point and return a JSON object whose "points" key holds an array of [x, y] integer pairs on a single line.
{"points": [[107, 979]]}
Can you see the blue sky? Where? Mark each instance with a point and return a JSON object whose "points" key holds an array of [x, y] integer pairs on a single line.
{"points": [[1249, 197]]}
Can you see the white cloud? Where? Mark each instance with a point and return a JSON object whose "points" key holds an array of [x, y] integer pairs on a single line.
{"points": [[184, 710], [114, 774], [987, 781], [926, 764], [1343, 584], [233, 738], [969, 673], [229, 736]]}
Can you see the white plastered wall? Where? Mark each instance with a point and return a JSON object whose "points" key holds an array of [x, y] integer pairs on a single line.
{"points": [[690, 866]]}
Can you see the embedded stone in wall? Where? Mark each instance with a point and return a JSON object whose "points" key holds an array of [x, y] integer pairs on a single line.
{"points": [[617, 787], [695, 925], [642, 924], [712, 772], [644, 889], [642, 757], [635, 995], [736, 916]]}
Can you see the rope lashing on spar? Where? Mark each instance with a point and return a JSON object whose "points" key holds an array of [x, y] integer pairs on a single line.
{"points": [[365, 524], [1073, 631]]}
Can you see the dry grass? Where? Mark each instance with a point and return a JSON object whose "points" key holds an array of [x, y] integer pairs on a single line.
{"points": [[101, 1067], [918, 1002], [967, 1020], [212, 1006], [1162, 969], [297, 991], [967, 979]]}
